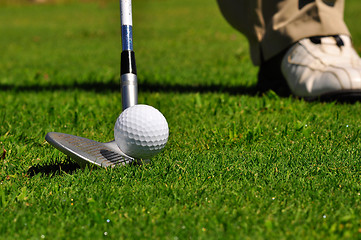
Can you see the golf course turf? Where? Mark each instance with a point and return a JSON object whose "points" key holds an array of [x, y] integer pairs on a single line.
{"points": [[238, 164]]}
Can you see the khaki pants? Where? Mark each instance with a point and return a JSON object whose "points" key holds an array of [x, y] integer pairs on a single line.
{"points": [[273, 25]]}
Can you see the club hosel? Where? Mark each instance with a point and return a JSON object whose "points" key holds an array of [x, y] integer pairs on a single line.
{"points": [[129, 90]]}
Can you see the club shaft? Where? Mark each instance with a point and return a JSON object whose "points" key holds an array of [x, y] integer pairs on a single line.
{"points": [[127, 24], [129, 83]]}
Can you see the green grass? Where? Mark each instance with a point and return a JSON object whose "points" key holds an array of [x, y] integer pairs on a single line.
{"points": [[237, 165]]}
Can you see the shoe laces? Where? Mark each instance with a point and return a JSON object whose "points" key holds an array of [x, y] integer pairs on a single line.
{"points": [[318, 40]]}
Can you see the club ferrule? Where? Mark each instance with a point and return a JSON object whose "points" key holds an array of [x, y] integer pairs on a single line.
{"points": [[128, 63]]}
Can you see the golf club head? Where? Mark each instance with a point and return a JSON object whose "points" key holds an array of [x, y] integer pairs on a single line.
{"points": [[85, 151]]}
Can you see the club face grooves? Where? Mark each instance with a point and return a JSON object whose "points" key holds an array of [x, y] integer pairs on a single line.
{"points": [[86, 151]]}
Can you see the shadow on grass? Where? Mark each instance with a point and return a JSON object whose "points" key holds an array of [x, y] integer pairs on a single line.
{"points": [[345, 97], [52, 169], [143, 87]]}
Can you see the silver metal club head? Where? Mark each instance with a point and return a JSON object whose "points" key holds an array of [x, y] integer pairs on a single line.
{"points": [[85, 151]]}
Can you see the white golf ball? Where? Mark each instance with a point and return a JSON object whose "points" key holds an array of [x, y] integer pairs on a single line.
{"points": [[141, 131]]}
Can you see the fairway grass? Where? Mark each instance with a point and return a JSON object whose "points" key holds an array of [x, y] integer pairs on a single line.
{"points": [[238, 164]]}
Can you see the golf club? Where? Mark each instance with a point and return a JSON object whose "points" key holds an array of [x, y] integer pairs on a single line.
{"points": [[85, 151]]}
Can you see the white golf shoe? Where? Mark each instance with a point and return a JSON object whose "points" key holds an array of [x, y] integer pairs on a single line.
{"points": [[320, 67]]}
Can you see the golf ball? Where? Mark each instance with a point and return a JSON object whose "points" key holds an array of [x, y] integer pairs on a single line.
{"points": [[141, 131]]}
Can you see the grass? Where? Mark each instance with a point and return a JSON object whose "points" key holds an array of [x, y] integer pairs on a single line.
{"points": [[237, 165]]}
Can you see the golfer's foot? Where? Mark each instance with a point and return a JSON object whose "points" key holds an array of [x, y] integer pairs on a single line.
{"points": [[270, 76], [325, 68]]}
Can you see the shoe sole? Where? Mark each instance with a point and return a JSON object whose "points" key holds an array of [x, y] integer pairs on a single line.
{"points": [[342, 96]]}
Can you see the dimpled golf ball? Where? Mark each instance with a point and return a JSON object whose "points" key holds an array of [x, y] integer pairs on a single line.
{"points": [[141, 131]]}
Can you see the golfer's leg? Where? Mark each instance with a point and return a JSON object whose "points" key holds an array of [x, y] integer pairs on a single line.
{"points": [[288, 21], [249, 17], [246, 17], [279, 33], [271, 26]]}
